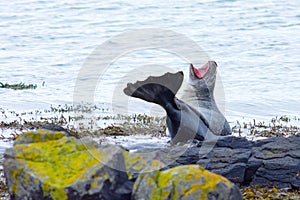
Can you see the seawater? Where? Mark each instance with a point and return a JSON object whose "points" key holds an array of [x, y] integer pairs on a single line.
{"points": [[255, 43]]}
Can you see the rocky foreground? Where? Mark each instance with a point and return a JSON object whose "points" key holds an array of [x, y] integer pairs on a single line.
{"points": [[51, 165], [273, 161]]}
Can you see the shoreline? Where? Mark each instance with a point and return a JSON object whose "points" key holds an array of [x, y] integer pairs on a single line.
{"points": [[118, 128]]}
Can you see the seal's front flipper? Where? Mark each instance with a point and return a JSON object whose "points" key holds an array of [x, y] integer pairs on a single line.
{"points": [[157, 89]]}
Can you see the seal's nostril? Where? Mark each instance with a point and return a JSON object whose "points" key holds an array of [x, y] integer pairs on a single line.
{"points": [[215, 63]]}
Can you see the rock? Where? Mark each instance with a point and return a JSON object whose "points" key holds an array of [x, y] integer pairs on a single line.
{"points": [[228, 157], [51, 165], [234, 142], [41, 136], [137, 162], [184, 182], [270, 161], [276, 161], [57, 128], [230, 163], [48, 165]]}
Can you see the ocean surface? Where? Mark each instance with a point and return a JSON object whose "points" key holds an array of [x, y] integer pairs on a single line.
{"points": [[255, 43]]}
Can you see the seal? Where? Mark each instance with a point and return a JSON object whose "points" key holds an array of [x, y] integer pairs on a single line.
{"points": [[201, 97], [184, 122]]}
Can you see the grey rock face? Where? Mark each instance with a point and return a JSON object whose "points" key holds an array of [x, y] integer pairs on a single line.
{"points": [[270, 161], [277, 161]]}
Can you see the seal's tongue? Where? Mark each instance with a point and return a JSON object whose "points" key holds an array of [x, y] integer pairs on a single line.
{"points": [[200, 73]]}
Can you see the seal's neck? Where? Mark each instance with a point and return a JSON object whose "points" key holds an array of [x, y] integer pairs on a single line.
{"points": [[205, 98], [202, 97]]}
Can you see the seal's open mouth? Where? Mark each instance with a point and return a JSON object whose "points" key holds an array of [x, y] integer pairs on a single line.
{"points": [[200, 72]]}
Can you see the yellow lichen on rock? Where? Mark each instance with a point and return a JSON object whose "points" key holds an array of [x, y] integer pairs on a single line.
{"points": [[188, 180], [41, 135], [182, 182], [139, 163], [46, 157]]}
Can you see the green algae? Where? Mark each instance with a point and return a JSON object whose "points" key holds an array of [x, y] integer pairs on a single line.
{"points": [[18, 86]]}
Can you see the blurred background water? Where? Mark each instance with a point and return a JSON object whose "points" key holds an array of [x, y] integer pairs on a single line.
{"points": [[255, 43]]}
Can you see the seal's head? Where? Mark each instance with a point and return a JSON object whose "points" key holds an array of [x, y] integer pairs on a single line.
{"points": [[204, 78]]}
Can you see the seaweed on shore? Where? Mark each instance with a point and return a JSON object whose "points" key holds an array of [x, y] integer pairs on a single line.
{"points": [[276, 127], [81, 124], [94, 121], [3, 187], [269, 193], [18, 86]]}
